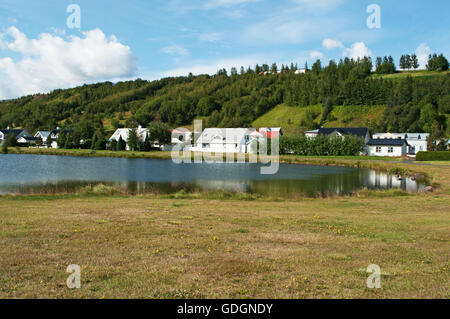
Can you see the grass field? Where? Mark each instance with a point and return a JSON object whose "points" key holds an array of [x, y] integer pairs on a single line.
{"points": [[291, 118], [200, 246], [404, 74]]}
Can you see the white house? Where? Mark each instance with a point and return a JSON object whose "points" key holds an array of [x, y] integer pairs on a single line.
{"points": [[387, 147], [18, 133], [179, 137], [125, 132], [44, 135], [224, 140], [300, 71], [312, 134], [417, 141]]}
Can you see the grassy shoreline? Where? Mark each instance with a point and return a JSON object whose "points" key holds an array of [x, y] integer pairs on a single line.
{"points": [[220, 245]]}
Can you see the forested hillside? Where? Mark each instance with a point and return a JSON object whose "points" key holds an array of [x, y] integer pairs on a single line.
{"points": [[344, 94]]}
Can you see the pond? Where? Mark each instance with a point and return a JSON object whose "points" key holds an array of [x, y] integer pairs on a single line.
{"points": [[24, 174]]}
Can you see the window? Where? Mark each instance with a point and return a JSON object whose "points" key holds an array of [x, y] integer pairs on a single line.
{"points": [[390, 149], [378, 150]]}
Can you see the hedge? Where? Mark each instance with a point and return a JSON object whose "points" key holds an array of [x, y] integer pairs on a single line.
{"points": [[433, 156]]}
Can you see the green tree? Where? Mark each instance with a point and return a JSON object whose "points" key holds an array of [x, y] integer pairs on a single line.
{"points": [[402, 63], [437, 63], [49, 142], [112, 145], [121, 145], [133, 140], [408, 62], [435, 136], [274, 68], [415, 62], [206, 106], [317, 67], [159, 133], [5, 147]]}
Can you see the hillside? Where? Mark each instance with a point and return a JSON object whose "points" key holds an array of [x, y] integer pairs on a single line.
{"points": [[339, 95]]}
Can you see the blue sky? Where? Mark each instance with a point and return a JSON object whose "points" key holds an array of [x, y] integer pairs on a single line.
{"points": [[152, 39]]}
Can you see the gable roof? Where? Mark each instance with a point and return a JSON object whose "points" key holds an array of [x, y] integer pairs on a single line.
{"points": [[44, 134], [387, 142], [125, 133], [14, 131], [357, 131]]}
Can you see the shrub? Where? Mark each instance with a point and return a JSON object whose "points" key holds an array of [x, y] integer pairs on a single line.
{"points": [[433, 156]]}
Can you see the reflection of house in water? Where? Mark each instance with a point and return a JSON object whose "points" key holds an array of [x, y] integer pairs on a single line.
{"points": [[377, 180]]}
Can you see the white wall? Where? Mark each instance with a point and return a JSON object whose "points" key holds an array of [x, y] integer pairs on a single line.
{"points": [[398, 151], [222, 148], [417, 144]]}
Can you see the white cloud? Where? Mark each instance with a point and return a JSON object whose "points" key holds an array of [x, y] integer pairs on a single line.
{"points": [[358, 50], [210, 37], [422, 52], [212, 4], [175, 49], [51, 62], [331, 44], [316, 55]]}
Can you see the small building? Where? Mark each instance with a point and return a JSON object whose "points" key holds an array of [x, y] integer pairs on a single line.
{"points": [[18, 133], [43, 135], [300, 71], [312, 134], [124, 133], [26, 140], [271, 132], [418, 142], [362, 132], [181, 138], [224, 140], [387, 147]]}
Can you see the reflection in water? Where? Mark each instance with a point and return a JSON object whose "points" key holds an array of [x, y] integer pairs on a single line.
{"points": [[22, 174]]}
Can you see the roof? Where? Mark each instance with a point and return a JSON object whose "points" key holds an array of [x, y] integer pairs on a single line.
{"points": [[28, 138], [14, 131], [44, 134], [407, 136], [387, 142], [357, 131], [125, 132]]}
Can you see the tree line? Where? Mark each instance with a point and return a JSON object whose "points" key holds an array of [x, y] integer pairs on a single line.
{"points": [[237, 98]]}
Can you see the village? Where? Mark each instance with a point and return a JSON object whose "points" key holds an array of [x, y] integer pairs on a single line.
{"points": [[236, 140]]}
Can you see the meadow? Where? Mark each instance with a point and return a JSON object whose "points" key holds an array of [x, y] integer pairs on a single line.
{"points": [[219, 245]]}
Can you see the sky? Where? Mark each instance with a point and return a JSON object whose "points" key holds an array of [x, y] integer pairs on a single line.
{"points": [[45, 45]]}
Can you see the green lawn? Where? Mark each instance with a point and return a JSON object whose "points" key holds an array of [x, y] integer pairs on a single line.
{"points": [[402, 75]]}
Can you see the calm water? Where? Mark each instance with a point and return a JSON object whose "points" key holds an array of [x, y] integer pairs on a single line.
{"points": [[21, 174]]}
